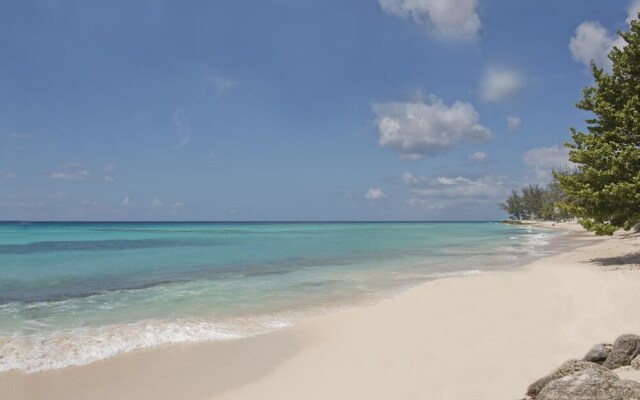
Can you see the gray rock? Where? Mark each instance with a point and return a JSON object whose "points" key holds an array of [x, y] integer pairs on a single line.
{"points": [[635, 363], [598, 353], [590, 384], [565, 369], [626, 390], [625, 349]]}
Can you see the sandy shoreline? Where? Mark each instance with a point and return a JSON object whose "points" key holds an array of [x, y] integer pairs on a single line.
{"points": [[482, 337]]}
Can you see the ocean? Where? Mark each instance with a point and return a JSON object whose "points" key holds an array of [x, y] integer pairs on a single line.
{"points": [[75, 293]]}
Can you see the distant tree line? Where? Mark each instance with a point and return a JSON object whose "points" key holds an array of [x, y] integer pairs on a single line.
{"points": [[537, 202]]}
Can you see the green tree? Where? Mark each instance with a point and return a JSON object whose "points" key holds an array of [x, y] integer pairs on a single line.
{"points": [[533, 201], [513, 205], [554, 197], [604, 191]]}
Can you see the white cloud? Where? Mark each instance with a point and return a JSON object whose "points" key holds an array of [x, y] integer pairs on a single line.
{"points": [[543, 160], [65, 175], [71, 171], [21, 136], [126, 202], [108, 179], [156, 203], [178, 205], [409, 179], [110, 167], [374, 194], [426, 129], [500, 84], [632, 11], [10, 175], [448, 191], [592, 41], [447, 19], [478, 156], [184, 132], [513, 123]]}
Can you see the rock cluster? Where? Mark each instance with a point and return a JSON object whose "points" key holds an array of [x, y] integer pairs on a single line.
{"points": [[591, 378]]}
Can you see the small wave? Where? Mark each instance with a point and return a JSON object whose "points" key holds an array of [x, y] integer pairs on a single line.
{"points": [[516, 250], [538, 240], [438, 275], [455, 273], [87, 345]]}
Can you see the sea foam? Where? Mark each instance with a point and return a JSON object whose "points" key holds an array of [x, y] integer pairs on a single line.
{"points": [[82, 346]]}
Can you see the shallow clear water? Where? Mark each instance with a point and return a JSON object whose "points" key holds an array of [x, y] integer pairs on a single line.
{"points": [[74, 293]]}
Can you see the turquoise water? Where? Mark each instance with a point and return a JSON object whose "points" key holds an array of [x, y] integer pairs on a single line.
{"points": [[74, 293]]}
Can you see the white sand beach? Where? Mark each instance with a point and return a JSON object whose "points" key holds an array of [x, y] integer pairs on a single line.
{"points": [[486, 336]]}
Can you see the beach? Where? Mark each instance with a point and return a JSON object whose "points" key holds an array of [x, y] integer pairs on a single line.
{"points": [[485, 336]]}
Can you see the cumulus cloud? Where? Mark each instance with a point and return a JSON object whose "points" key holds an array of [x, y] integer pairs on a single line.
{"points": [[71, 171], [126, 202], [182, 126], [442, 192], [427, 129], [10, 175], [592, 41], [108, 179], [542, 160], [500, 84], [447, 19], [110, 167], [409, 179], [374, 194], [513, 123], [478, 157], [178, 205]]}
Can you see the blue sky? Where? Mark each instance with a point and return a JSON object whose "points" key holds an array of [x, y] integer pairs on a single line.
{"points": [[289, 109]]}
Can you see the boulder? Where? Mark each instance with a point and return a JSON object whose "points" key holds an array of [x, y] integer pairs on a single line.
{"points": [[635, 363], [598, 353], [590, 384], [626, 390], [565, 369], [624, 350]]}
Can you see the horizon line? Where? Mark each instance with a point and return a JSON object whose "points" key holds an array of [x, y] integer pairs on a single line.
{"points": [[239, 221]]}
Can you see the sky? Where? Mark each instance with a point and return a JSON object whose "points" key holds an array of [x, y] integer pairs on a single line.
{"points": [[290, 109]]}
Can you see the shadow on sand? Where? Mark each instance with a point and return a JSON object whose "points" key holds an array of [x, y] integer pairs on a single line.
{"points": [[630, 260]]}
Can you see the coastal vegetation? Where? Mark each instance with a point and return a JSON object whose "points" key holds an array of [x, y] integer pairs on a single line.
{"points": [[537, 202], [603, 190]]}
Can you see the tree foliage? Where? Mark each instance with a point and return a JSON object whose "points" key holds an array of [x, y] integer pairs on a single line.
{"points": [[604, 191], [514, 205], [536, 202]]}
